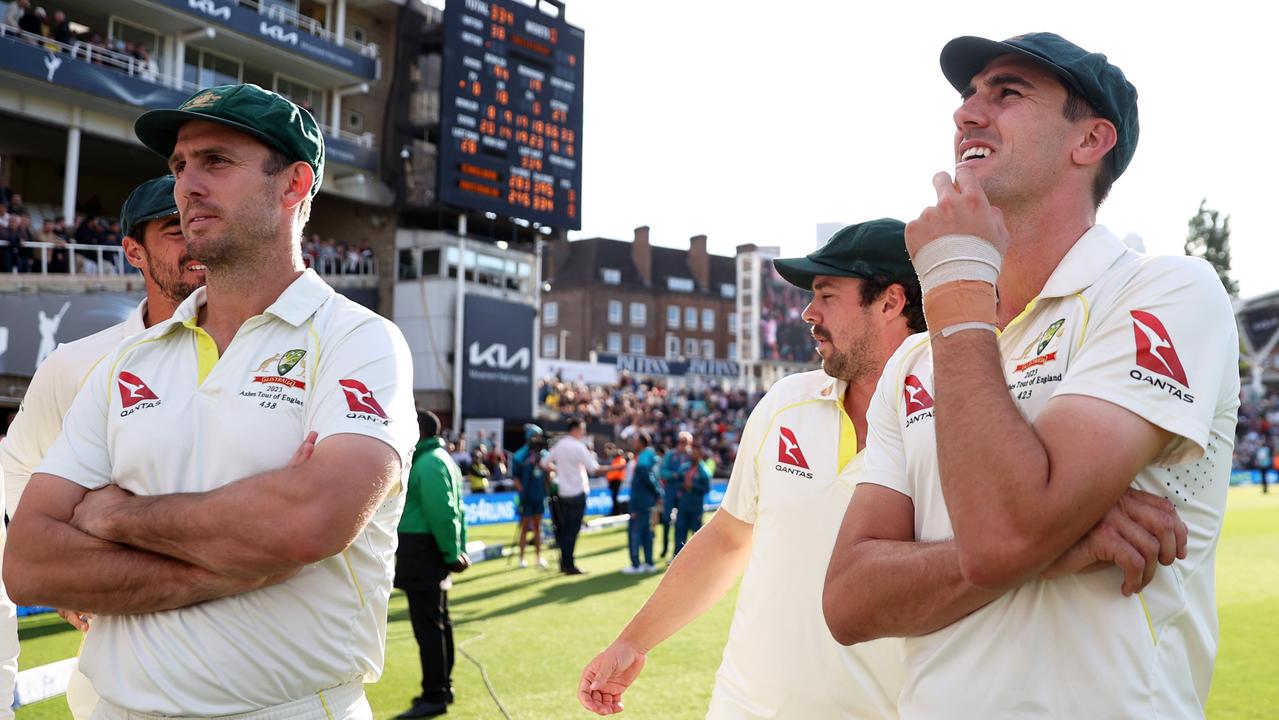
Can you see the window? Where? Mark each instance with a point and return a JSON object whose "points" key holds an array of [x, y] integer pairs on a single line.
{"points": [[638, 346], [732, 324], [639, 314], [614, 342], [550, 314], [614, 312], [354, 121], [611, 276], [431, 262], [141, 38], [406, 270], [311, 98], [672, 317], [206, 68], [690, 347], [708, 349], [672, 346], [690, 318], [708, 319], [358, 34], [732, 351], [550, 345], [679, 284], [728, 290]]}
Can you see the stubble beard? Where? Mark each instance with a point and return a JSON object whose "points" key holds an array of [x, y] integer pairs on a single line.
{"points": [[851, 364]]}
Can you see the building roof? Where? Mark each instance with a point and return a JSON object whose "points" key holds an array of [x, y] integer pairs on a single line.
{"points": [[582, 261]]}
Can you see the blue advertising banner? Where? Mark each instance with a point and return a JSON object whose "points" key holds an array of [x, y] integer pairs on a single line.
{"points": [[645, 365], [268, 28], [1252, 477], [487, 509]]}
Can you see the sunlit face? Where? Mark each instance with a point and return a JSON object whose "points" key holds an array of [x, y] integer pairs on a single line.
{"points": [[842, 328], [229, 205], [1010, 130], [166, 262]]}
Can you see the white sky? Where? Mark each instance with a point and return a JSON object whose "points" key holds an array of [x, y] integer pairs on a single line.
{"points": [[751, 122]]}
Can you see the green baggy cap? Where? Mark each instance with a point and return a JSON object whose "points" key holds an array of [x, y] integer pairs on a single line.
{"points": [[876, 248], [1090, 74], [267, 116], [151, 200]]}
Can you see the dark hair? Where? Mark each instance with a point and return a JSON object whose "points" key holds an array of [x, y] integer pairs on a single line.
{"points": [[138, 232], [1076, 108], [276, 163], [576, 423], [428, 423], [873, 287], [644, 437]]}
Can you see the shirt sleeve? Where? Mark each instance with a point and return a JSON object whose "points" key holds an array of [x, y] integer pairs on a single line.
{"points": [[364, 386], [1160, 351], [80, 453], [38, 422], [434, 483], [885, 453], [741, 499]]}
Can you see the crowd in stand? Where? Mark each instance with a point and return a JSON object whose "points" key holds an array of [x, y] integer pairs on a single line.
{"points": [[30, 242], [129, 56], [1257, 434], [714, 416], [332, 257]]}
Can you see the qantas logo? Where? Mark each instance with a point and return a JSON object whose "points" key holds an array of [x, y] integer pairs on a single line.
{"points": [[788, 451], [133, 390], [917, 398], [360, 399], [1154, 348]]}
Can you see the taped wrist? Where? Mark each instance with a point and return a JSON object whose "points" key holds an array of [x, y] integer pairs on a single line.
{"points": [[956, 257], [959, 302]]}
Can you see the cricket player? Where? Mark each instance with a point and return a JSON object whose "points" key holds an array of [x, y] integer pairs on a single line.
{"points": [[228, 580], [1061, 371], [154, 244]]}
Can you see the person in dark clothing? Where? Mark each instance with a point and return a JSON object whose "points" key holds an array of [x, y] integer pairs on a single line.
{"points": [[644, 497], [432, 534], [32, 21], [692, 498], [60, 28]]}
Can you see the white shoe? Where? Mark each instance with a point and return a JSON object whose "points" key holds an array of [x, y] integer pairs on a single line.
{"points": [[649, 568], [632, 570], [523, 564], [541, 562]]}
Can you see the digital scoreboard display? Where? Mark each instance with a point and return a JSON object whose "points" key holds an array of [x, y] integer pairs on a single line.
{"points": [[511, 112]]}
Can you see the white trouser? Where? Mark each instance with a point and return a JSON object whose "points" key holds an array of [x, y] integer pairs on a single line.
{"points": [[344, 702], [8, 640]]}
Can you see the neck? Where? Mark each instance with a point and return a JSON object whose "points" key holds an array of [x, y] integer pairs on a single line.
{"points": [[1040, 237], [159, 307], [246, 287], [859, 392]]}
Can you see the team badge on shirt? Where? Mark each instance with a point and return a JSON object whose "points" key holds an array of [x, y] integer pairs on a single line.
{"points": [[1156, 354], [361, 402], [283, 362], [1042, 349], [134, 394]]}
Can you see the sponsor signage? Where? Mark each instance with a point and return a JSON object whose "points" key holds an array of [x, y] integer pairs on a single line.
{"points": [[497, 358], [32, 325], [645, 365], [490, 508]]}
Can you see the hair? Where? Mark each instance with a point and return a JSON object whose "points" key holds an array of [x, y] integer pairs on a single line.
{"points": [[138, 232], [276, 163], [1077, 107], [873, 287], [576, 423], [428, 423], [645, 439]]}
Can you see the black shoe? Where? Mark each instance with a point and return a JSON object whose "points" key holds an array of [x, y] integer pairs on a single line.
{"points": [[424, 709], [575, 571]]}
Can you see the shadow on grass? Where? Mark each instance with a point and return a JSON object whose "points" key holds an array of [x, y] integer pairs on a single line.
{"points": [[563, 590], [45, 629]]}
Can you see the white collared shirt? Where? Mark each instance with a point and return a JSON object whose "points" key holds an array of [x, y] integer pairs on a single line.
{"points": [[574, 463], [793, 478], [165, 414], [1155, 335]]}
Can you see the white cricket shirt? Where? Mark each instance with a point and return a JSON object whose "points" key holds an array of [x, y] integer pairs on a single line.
{"points": [[1157, 336], [793, 478], [48, 398], [165, 414], [574, 463]]}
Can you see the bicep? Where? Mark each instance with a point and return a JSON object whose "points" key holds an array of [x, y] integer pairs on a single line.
{"points": [[876, 512], [353, 471]]}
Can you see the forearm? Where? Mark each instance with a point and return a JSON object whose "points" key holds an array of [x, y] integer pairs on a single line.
{"points": [[897, 588], [48, 562], [706, 568]]}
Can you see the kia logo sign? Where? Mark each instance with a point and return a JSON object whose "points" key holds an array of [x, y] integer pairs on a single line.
{"points": [[496, 356], [210, 8], [277, 33]]}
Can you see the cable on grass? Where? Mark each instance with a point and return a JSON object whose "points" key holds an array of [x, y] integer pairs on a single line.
{"points": [[483, 674]]}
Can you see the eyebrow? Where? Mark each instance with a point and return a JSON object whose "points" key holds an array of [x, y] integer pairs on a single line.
{"points": [[822, 284], [211, 150], [997, 80]]}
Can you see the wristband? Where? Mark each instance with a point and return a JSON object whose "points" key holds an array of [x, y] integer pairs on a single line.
{"points": [[952, 329], [960, 301]]}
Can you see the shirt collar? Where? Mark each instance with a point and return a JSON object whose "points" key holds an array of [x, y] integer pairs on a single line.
{"points": [[831, 389], [136, 321], [296, 304], [1092, 254]]}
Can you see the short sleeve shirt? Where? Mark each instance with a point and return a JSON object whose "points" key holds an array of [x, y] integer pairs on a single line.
{"points": [[1157, 336], [793, 479], [165, 414], [574, 462]]}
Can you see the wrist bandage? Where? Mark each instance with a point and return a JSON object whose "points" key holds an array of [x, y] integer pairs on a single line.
{"points": [[957, 275]]}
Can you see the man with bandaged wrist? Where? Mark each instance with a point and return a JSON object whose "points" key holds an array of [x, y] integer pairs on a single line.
{"points": [[1062, 375]]}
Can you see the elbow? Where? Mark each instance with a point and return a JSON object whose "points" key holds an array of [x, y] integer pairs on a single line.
{"points": [[845, 618], [316, 540], [997, 561], [18, 581]]}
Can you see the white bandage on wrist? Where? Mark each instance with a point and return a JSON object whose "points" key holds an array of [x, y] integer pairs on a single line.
{"points": [[957, 257], [952, 329]]}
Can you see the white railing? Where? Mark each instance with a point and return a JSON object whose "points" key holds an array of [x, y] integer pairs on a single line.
{"points": [[115, 60], [334, 265], [309, 24], [103, 260], [364, 139]]}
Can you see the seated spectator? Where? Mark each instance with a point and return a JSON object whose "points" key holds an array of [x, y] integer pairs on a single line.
{"points": [[15, 252], [32, 21], [15, 205], [60, 28], [149, 69], [13, 14]]}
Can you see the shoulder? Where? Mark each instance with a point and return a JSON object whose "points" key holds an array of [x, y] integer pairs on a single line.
{"points": [[87, 351], [794, 388], [340, 316]]}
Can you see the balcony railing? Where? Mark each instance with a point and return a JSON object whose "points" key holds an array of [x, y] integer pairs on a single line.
{"points": [[333, 265], [46, 258], [112, 59], [309, 24]]}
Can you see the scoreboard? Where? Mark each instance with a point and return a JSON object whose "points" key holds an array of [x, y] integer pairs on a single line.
{"points": [[511, 112]]}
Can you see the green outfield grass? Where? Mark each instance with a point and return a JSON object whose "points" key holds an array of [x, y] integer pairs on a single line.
{"points": [[532, 631]]}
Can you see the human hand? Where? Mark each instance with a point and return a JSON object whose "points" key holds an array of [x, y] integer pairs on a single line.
{"points": [[1140, 532], [607, 676], [463, 562], [94, 513], [304, 451], [79, 620], [961, 209]]}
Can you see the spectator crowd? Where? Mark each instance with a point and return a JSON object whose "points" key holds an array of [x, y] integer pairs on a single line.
{"points": [[38, 241], [126, 55], [1257, 434]]}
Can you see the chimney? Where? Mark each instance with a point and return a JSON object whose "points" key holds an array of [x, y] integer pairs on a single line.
{"points": [[699, 261], [642, 255]]}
